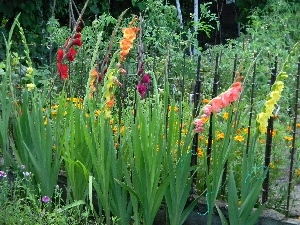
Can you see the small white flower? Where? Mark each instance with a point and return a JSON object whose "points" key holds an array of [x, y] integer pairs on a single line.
{"points": [[26, 174]]}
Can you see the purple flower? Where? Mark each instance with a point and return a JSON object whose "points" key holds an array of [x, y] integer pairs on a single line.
{"points": [[142, 89], [46, 199], [3, 174], [146, 79]]}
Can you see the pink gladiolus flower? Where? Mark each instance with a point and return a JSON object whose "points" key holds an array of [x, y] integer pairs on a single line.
{"points": [[198, 125], [207, 110], [226, 98], [216, 104], [237, 86]]}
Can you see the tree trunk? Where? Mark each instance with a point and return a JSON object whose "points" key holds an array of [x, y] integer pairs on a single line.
{"points": [[179, 14]]}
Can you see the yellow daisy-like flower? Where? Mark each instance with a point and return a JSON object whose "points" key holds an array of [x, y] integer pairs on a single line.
{"points": [[262, 141], [97, 112], [239, 138], [288, 138], [220, 136], [225, 116], [200, 152], [205, 101]]}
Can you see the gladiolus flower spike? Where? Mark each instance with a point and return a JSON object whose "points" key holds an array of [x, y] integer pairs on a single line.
{"points": [[70, 53], [129, 35], [216, 104], [271, 101]]}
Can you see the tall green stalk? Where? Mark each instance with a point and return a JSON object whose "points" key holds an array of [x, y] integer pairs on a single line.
{"points": [[7, 99]]}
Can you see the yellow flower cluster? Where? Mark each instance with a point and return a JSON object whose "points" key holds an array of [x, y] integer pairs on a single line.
{"points": [[108, 92], [272, 99]]}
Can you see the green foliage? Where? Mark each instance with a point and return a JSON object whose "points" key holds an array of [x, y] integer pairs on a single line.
{"points": [[19, 204], [129, 164]]}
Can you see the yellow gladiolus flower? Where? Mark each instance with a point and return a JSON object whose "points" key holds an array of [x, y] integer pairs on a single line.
{"points": [[278, 86], [275, 95], [262, 119]]}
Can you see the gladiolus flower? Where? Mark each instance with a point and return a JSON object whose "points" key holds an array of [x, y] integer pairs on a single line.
{"points": [[145, 79], [207, 109], [198, 125], [63, 70], [71, 54], [219, 102], [60, 55], [129, 35], [269, 107], [77, 40], [142, 89]]}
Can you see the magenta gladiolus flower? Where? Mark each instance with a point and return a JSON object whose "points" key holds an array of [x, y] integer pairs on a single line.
{"points": [[146, 79], [142, 89], [46, 199]]}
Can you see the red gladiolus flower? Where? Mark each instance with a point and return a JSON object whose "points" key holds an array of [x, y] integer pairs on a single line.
{"points": [[77, 35], [63, 70], [77, 40], [60, 55], [71, 54]]}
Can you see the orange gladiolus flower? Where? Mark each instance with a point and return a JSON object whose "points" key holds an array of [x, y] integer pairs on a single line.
{"points": [[110, 103], [129, 35]]}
